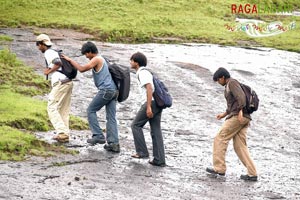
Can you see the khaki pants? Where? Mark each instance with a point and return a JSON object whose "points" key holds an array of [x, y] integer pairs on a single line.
{"points": [[59, 106], [232, 129]]}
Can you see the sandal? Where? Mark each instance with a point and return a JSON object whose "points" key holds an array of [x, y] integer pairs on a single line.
{"points": [[138, 156], [61, 137]]}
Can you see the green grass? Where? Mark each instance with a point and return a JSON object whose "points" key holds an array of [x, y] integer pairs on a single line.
{"points": [[138, 21], [18, 84], [21, 114], [6, 38], [17, 145], [20, 78]]}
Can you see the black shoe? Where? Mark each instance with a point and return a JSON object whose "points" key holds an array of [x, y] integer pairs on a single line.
{"points": [[112, 147], [96, 140], [212, 171], [152, 162], [248, 178]]}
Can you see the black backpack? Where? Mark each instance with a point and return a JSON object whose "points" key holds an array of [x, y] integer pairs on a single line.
{"points": [[121, 76], [67, 68], [252, 101]]}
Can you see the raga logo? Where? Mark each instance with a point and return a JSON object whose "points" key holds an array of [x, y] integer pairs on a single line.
{"points": [[260, 9]]}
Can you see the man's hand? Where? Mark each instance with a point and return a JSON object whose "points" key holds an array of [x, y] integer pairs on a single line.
{"points": [[47, 71], [66, 57], [149, 112], [240, 116], [222, 115]]}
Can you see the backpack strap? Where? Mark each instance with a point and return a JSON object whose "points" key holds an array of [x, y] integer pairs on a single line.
{"points": [[227, 85], [144, 68], [46, 68], [47, 64]]}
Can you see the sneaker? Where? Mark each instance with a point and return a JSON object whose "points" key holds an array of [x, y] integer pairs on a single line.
{"points": [[112, 147], [61, 137], [212, 171], [248, 178], [96, 140]]}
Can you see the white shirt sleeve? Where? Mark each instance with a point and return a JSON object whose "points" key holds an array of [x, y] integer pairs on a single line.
{"points": [[145, 77], [51, 56]]}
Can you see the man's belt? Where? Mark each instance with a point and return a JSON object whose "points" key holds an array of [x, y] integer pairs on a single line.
{"points": [[62, 82]]}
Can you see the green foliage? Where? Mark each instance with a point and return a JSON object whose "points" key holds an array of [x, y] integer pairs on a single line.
{"points": [[147, 21]]}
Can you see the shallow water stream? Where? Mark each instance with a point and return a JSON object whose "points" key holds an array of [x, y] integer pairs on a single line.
{"points": [[188, 127]]}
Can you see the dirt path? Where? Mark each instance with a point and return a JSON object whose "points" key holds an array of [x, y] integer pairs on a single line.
{"points": [[188, 128]]}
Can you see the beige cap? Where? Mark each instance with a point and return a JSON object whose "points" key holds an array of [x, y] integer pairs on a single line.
{"points": [[45, 39]]}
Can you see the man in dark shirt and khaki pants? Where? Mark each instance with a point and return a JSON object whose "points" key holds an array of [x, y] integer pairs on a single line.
{"points": [[235, 127]]}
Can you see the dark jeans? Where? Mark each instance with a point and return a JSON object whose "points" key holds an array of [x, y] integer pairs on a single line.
{"points": [[157, 140]]}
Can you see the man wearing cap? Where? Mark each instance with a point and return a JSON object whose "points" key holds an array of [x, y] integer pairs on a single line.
{"points": [[60, 96]]}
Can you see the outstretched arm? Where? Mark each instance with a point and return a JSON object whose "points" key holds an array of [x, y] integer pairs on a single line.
{"points": [[83, 68]]}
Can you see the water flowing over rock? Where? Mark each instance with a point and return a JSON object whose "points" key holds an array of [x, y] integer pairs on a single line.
{"points": [[188, 127]]}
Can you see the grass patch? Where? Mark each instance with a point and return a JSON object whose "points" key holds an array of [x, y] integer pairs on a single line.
{"points": [[18, 77], [21, 113], [138, 21], [17, 145], [77, 123], [18, 83], [5, 38]]}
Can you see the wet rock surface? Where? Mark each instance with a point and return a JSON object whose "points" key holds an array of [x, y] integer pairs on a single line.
{"points": [[188, 127]]}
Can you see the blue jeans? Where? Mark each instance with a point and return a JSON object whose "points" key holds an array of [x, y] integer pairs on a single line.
{"points": [[105, 98]]}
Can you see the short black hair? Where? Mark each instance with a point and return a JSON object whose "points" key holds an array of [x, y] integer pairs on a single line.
{"points": [[220, 73], [139, 58], [41, 43], [89, 47]]}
